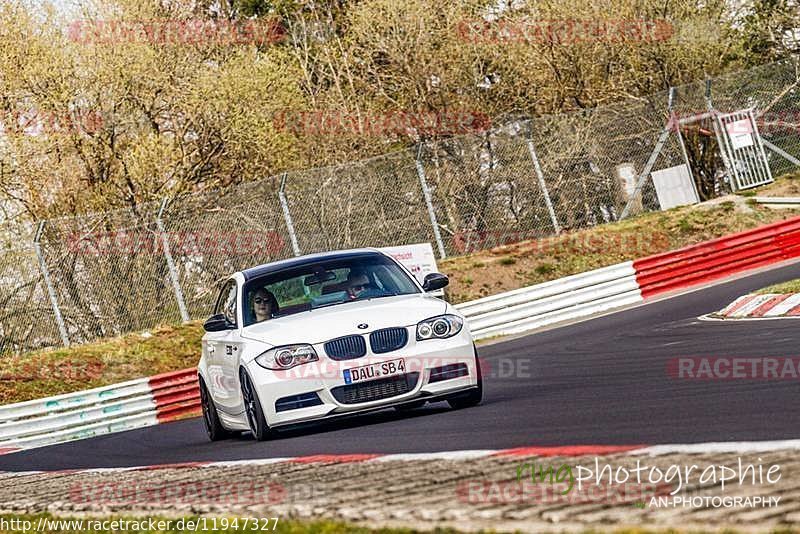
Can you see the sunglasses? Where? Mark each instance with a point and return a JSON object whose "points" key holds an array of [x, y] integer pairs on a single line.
{"points": [[259, 300], [359, 288]]}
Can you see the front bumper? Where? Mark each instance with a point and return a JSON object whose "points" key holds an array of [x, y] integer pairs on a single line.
{"points": [[322, 377]]}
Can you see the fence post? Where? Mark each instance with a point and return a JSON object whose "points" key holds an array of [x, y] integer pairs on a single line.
{"points": [[426, 194], [173, 272], [62, 327], [676, 121], [540, 178], [718, 133], [662, 140], [287, 217]]}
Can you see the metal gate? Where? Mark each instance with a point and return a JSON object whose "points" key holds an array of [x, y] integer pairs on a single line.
{"points": [[743, 150]]}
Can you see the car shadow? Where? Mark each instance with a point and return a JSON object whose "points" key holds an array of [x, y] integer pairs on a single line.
{"points": [[351, 421]]}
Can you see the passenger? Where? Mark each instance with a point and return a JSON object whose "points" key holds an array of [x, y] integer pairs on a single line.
{"points": [[263, 304]]}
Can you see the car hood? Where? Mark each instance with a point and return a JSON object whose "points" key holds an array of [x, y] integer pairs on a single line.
{"points": [[320, 325]]}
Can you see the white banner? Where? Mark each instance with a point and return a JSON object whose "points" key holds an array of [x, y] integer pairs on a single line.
{"points": [[417, 258]]}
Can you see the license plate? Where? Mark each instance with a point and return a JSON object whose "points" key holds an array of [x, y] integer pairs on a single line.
{"points": [[374, 370]]}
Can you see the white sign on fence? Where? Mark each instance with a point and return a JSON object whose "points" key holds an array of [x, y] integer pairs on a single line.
{"points": [[740, 133], [674, 187], [417, 258]]}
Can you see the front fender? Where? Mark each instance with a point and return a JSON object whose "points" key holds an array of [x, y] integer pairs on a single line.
{"points": [[251, 349], [202, 368]]}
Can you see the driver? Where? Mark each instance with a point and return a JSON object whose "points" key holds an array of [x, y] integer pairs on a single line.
{"points": [[264, 304], [357, 285]]}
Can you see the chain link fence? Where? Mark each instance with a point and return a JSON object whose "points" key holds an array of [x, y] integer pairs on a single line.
{"points": [[75, 279]]}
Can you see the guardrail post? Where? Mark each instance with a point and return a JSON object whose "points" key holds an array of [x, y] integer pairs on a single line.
{"points": [[540, 178], [62, 327], [426, 194], [173, 271], [287, 217]]}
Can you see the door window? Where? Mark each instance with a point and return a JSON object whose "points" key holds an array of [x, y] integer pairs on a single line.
{"points": [[226, 302]]}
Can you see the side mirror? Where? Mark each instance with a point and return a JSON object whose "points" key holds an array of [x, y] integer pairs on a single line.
{"points": [[434, 281], [216, 323]]}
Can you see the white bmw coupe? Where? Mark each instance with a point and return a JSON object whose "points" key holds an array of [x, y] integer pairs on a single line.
{"points": [[328, 335]]}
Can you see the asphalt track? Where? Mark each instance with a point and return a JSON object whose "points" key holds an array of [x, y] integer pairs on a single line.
{"points": [[602, 381]]}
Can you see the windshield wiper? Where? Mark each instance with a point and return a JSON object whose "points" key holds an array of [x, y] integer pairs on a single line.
{"points": [[329, 304], [388, 294]]}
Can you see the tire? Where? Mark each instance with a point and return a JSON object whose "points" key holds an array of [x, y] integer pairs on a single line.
{"points": [[474, 396], [253, 410], [213, 425]]}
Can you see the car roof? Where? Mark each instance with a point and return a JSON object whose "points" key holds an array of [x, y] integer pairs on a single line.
{"points": [[275, 266]]}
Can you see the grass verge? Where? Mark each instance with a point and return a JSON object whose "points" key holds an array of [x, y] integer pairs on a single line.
{"points": [[532, 262], [787, 185], [51, 372], [791, 286], [169, 348]]}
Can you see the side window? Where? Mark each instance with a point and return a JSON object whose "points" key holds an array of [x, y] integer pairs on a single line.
{"points": [[226, 302]]}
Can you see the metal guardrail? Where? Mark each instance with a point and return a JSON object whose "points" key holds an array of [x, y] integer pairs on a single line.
{"points": [[628, 283], [717, 258], [113, 408], [68, 401], [777, 201], [552, 302]]}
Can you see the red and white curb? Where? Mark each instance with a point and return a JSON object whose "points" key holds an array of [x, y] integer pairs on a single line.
{"points": [[767, 306], [734, 447]]}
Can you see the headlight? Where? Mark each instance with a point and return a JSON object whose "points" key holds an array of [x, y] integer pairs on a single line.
{"points": [[439, 327], [286, 357]]}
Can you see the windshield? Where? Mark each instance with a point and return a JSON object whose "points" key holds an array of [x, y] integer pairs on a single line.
{"points": [[323, 283]]}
